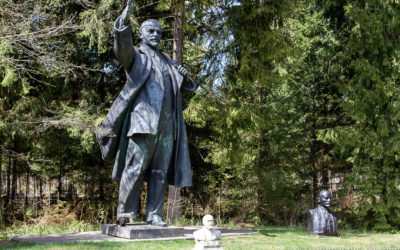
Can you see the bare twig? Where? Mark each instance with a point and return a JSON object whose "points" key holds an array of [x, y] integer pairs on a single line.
{"points": [[21, 156]]}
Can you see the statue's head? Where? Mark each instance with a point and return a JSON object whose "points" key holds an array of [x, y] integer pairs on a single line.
{"points": [[150, 33], [208, 221], [324, 198]]}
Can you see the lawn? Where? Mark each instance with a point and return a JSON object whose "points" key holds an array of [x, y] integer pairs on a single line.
{"points": [[268, 238]]}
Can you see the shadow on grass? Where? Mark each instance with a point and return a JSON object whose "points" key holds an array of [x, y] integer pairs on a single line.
{"points": [[270, 230], [265, 233], [99, 245], [353, 233], [273, 231], [5, 244]]}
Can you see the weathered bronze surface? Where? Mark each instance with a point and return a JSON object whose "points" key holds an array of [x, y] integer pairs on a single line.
{"points": [[321, 221], [144, 130]]}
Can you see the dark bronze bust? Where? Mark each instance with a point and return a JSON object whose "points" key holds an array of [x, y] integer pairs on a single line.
{"points": [[321, 221]]}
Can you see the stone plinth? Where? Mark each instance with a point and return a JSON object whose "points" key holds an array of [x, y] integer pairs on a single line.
{"points": [[141, 231]]}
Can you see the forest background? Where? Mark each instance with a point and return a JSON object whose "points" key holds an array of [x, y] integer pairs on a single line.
{"points": [[293, 97]]}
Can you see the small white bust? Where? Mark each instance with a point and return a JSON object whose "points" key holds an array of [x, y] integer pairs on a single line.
{"points": [[207, 237]]}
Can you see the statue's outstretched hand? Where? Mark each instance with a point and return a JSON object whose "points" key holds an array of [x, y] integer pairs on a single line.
{"points": [[182, 70], [130, 7]]}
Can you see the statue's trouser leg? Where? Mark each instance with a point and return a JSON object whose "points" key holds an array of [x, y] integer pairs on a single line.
{"points": [[139, 152], [158, 168], [146, 153], [129, 194], [161, 158]]}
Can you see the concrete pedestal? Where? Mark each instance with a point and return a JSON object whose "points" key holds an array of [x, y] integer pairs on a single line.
{"points": [[141, 231]]}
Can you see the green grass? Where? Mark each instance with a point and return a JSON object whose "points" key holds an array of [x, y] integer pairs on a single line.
{"points": [[268, 238], [294, 238], [145, 245], [38, 229]]}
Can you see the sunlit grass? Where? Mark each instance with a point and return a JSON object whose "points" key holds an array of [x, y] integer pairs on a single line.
{"points": [[296, 237], [38, 229], [269, 237]]}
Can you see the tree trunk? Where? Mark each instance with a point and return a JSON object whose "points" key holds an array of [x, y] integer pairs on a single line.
{"points": [[19, 188], [40, 189], [174, 194], [49, 184], [70, 185], [8, 181], [27, 188], [315, 185], [314, 167], [14, 181], [1, 188], [261, 157], [177, 46], [34, 200], [1, 175], [59, 188], [101, 182], [325, 176], [70, 191], [314, 146]]}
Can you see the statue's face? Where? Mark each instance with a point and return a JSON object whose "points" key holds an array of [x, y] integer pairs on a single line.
{"points": [[325, 199], [151, 35], [208, 221]]}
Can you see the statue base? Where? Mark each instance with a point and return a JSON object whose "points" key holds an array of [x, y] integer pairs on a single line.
{"points": [[141, 231]]}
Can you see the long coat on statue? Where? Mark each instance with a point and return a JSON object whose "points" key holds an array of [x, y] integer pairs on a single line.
{"points": [[136, 110]]}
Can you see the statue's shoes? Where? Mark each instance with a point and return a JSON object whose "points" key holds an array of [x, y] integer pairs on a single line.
{"points": [[121, 222], [157, 221]]}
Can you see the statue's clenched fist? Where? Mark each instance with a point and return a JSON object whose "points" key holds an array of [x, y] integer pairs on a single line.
{"points": [[130, 7], [182, 70]]}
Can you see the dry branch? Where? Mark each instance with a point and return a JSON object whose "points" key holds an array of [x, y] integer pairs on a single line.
{"points": [[31, 38]]}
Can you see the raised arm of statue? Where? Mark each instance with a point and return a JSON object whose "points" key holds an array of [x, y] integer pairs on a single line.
{"points": [[123, 42], [130, 7]]}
